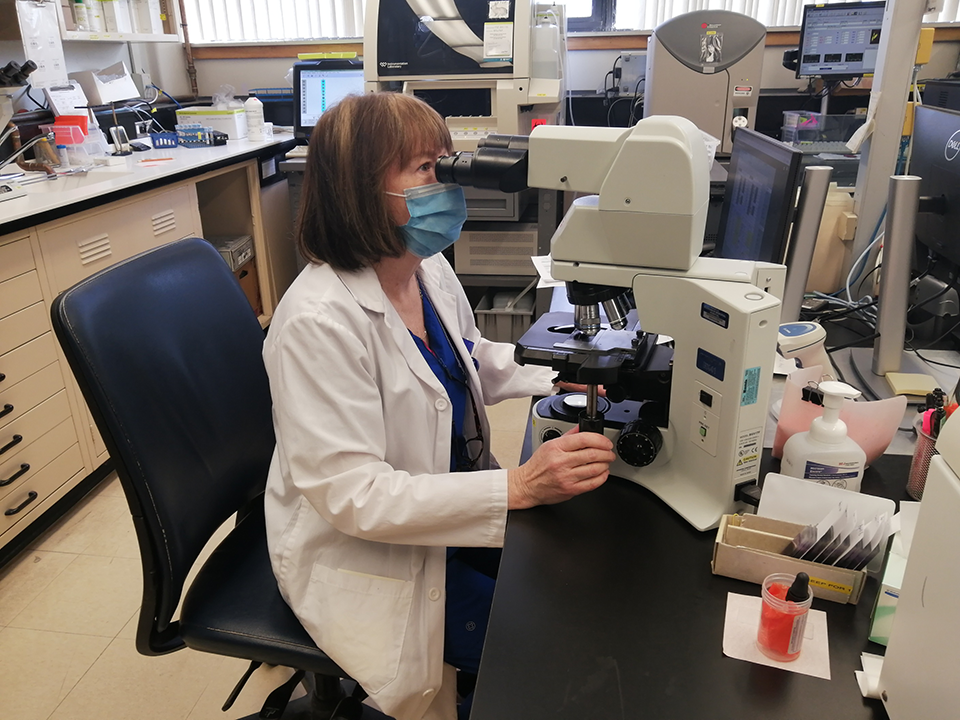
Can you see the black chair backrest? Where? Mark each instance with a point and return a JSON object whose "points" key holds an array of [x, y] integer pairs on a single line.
{"points": [[167, 352]]}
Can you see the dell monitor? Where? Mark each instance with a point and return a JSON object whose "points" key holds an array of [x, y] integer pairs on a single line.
{"points": [[840, 40], [762, 181], [318, 85], [935, 158]]}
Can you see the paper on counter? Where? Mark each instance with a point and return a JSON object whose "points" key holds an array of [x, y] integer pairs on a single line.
{"points": [[740, 638], [542, 264], [869, 678]]}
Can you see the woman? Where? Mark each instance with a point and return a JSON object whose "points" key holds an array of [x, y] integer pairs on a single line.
{"points": [[379, 379]]}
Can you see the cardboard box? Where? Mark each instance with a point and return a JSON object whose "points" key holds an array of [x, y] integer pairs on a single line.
{"points": [[233, 122], [146, 17], [236, 250], [111, 84], [750, 547], [247, 277], [116, 16]]}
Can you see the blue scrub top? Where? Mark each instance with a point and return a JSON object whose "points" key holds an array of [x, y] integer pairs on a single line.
{"points": [[445, 363]]}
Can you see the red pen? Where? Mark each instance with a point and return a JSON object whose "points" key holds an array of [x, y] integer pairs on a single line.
{"points": [[927, 426]]}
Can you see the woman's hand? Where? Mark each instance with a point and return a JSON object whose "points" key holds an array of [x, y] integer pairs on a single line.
{"points": [[575, 387], [560, 469]]}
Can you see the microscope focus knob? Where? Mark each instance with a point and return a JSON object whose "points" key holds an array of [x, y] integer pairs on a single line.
{"points": [[639, 443], [550, 433]]}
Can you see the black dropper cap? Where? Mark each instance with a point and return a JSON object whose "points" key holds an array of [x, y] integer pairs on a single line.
{"points": [[798, 591]]}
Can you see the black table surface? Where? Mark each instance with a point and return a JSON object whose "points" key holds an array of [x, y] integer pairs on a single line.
{"points": [[606, 609]]}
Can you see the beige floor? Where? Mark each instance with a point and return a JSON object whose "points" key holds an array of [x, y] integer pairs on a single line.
{"points": [[68, 610]]}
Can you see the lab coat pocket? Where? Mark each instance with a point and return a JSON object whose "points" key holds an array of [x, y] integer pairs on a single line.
{"points": [[361, 622]]}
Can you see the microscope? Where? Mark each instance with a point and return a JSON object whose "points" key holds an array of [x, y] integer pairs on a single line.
{"points": [[687, 348]]}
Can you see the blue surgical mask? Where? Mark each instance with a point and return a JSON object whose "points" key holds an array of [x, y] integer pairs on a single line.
{"points": [[437, 213]]}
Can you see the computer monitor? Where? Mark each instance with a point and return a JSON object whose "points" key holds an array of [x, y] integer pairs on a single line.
{"points": [[935, 158], [759, 199], [318, 85], [840, 40]]}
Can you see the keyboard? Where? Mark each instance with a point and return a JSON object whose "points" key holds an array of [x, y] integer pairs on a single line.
{"points": [[300, 151]]}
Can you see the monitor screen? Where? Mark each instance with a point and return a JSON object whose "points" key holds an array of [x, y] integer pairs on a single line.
{"points": [[840, 40], [318, 86], [762, 181], [935, 158]]}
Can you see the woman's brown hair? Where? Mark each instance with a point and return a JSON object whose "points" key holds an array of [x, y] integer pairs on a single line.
{"points": [[343, 218]]}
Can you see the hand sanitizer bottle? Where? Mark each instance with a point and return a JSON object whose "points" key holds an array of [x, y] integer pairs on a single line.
{"points": [[825, 454]]}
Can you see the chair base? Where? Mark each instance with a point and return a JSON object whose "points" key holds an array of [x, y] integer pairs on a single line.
{"points": [[320, 706]]}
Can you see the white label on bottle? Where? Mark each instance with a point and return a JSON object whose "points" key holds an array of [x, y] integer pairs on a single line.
{"points": [[835, 475], [796, 634]]}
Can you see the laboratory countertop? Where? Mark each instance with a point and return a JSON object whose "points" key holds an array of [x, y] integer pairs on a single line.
{"points": [[606, 607], [50, 199]]}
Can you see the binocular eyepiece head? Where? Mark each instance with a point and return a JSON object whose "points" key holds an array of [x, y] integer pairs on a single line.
{"points": [[499, 163], [16, 74]]}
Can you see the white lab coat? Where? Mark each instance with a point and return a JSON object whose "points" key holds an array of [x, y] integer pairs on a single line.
{"points": [[360, 504]]}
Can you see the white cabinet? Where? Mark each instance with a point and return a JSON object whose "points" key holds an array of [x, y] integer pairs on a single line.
{"points": [[39, 447], [80, 245]]}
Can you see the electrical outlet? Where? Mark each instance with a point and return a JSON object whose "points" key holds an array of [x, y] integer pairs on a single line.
{"points": [[633, 69], [143, 82]]}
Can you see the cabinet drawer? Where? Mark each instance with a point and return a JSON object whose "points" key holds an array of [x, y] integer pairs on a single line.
{"points": [[19, 292], [27, 498], [23, 361], [22, 326], [16, 258], [17, 437], [78, 248], [29, 393], [33, 459]]}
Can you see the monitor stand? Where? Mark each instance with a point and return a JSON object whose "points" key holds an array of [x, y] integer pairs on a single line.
{"points": [[876, 385]]}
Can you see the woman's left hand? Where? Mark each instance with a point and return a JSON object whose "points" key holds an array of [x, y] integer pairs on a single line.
{"points": [[574, 387]]}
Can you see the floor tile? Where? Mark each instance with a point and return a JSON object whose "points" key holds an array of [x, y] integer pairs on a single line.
{"points": [[26, 577], [99, 525], [38, 669], [508, 423], [125, 684], [93, 595], [111, 486]]}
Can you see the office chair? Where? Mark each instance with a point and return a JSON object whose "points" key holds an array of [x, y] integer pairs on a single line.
{"points": [[167, 353]]}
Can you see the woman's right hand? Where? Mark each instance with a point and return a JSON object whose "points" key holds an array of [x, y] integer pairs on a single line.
{"points": [[560, 469]]}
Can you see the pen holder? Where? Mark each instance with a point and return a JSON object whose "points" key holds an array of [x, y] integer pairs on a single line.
{"points": [[922, 452]]}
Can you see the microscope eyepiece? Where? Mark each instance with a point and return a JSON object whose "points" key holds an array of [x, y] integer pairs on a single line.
{"points": [[499, 163]]}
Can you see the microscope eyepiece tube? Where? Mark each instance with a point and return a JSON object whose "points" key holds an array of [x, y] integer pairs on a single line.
{"points": [[491, 167]]}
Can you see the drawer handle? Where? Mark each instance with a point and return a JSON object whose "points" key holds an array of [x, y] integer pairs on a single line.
{"points": [[30, 498], [7, 409], [2, 377], [17, 439], [24, 467]]}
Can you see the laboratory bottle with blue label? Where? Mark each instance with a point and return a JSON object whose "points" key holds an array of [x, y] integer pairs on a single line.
{"points": [[825, 453]]}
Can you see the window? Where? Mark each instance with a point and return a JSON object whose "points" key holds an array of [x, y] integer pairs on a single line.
{"points": [[232, 21]]}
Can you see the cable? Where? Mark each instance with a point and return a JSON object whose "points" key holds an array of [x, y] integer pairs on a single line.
{"points": [[33, 99], [613, 105], [932, 362], [164, 92], [636, 96], [844, 346]]}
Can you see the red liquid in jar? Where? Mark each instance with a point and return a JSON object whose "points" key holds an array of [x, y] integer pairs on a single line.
{"points": [[780, 633]]}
